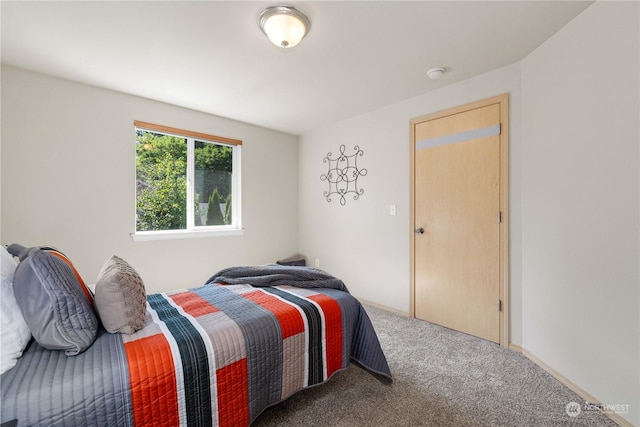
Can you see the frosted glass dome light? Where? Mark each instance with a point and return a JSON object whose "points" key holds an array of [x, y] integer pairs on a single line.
{"points": [[284, 25]]}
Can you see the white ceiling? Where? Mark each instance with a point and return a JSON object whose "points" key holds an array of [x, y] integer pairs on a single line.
{"points": [[211, 56]]}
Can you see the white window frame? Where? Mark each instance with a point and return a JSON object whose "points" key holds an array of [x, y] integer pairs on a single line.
{"points": [[191, 230]]}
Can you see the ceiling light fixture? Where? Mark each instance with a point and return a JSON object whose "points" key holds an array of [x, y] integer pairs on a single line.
{"points": [[436, 73], [284, 25]]}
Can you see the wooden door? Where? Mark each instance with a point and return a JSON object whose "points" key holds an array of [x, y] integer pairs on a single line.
{"points": [[457, 219]]}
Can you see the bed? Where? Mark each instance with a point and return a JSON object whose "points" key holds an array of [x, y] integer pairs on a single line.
{"points": [[219, 354]]}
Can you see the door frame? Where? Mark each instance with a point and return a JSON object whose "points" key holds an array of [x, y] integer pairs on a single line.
{"points": [[503, 101]]}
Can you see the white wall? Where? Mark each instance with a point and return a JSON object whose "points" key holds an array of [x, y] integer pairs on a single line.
{"points": [[68, 180], [580, 203], [574, 200], [360, 242]]}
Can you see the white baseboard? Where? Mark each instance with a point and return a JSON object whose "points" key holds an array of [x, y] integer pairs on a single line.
{"points": [[384, 307], [557, 375], [515, 347], [572, 386]]}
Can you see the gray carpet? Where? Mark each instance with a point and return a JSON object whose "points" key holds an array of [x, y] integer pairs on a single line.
{"points": [[441, 378]]}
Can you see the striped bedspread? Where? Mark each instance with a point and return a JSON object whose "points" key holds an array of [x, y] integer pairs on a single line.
{"points": [[214, 355]]}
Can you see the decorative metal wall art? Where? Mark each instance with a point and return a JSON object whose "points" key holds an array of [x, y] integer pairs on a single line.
{"points": [[343, 175]]}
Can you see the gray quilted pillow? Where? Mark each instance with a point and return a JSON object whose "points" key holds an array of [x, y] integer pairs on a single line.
{"points": [[53, 302], [120, 297]]}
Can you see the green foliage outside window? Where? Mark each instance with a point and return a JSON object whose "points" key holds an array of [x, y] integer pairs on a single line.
{"points": [[227, 211], [214, 214], [161, 177]]}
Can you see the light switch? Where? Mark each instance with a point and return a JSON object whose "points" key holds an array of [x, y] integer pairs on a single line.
{"points": [[392, 209]]}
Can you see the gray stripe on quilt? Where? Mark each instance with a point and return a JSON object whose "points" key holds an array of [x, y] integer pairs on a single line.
{"points": [[104, 368], [293, 361], [314, 322], [195, 364], [350, 311], [361, 343], [263, 341]]}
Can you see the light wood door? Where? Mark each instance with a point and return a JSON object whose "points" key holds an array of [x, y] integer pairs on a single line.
{"points": [[457, 220]]}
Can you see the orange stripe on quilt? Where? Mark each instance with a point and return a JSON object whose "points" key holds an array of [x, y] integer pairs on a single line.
{"points": [[333, 331], [233, 394], [291, 322], [153, 381], [193, 304]]}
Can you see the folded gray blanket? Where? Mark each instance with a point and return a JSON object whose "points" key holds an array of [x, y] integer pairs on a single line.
{"points": [[275, 275]]}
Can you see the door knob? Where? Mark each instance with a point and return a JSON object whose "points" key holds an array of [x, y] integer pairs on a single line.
{"points": [[420, 230]]}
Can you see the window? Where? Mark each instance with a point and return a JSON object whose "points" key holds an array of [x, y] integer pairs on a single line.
{"points": [[187, 183]]}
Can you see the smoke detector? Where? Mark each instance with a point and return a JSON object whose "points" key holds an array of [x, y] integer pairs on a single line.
{"points": [[436, 73]]}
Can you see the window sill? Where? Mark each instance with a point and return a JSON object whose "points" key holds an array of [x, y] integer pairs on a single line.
{"points": [[145, 236]]}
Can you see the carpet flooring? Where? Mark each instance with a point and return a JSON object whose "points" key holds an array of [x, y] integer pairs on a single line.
{"points": [[441, 378]]}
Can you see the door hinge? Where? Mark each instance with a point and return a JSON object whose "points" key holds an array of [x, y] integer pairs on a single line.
{"points": [[499, 305], [499, 217]]}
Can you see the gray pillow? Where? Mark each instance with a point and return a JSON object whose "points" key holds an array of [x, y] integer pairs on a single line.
{"points": [[296, 260], [121, 300], [54, 304]]}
